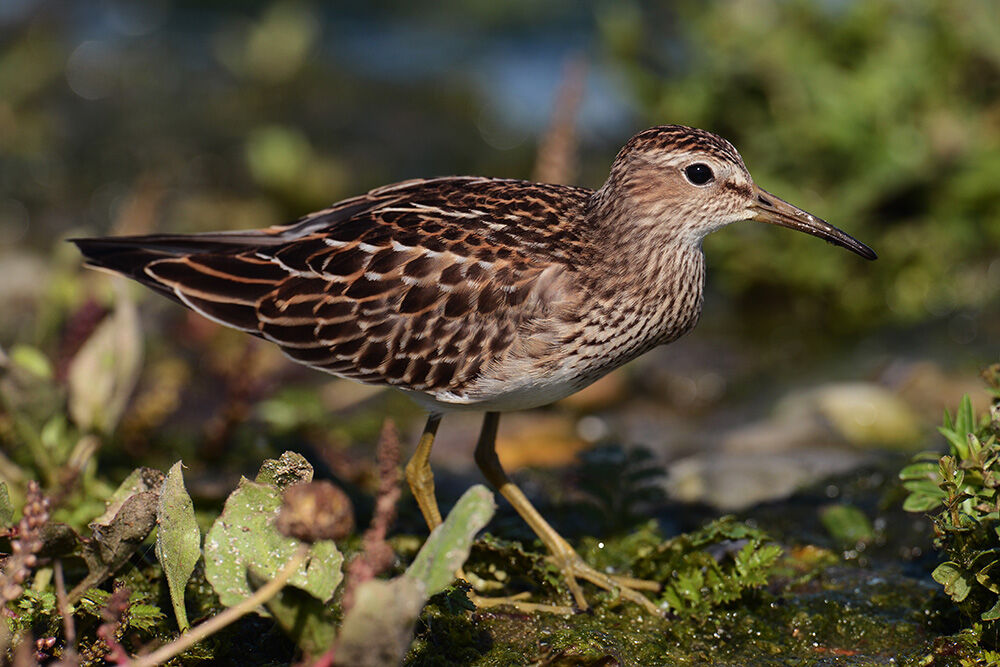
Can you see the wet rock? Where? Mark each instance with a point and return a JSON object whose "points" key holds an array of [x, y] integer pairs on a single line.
{"points": [[867, 414], [858, 414], [734, 481]]}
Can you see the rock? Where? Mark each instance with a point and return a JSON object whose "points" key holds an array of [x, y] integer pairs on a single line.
{"points": [[867, 414], [731, 482], [857, 414]]}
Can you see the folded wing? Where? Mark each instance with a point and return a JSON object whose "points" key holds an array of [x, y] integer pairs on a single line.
{"points": [[400, 287]]}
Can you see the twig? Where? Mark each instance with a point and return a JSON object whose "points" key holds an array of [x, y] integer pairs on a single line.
{"points": [[24, 652], [69, 656], [376, 554], [216, 623], [114, 615], [556, 161]]}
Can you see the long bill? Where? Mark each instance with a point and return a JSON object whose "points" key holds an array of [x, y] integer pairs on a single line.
{"points": [[768, 208]]}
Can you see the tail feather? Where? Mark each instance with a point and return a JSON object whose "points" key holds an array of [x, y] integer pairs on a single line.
{"points": [[216, 274], [128, 256]]}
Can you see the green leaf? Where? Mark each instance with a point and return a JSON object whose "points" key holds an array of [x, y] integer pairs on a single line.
{"points": [[919, 502], [244, 538], [178, 540], [140, 616], [846, 524], [144, 616], [32, 360], [379, 627], [920, 471], [924, 487], [448, 545], [306, 620], [993, 613], [954, 580], [966, 421]]}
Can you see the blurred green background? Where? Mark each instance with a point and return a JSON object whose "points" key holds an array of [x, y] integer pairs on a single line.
{"points": [[881, 116]]}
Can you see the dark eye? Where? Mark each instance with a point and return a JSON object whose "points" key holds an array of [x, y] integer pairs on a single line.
{"points": [[699, 173]]}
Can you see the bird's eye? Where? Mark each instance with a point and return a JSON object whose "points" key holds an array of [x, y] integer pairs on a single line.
{"points": [[699, 173]]}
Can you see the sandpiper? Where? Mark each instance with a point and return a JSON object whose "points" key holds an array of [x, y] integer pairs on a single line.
{"points": [[473, 293]]}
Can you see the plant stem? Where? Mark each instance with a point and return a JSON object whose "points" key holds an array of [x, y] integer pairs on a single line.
{"points": [[69, 629], [216, 623]]}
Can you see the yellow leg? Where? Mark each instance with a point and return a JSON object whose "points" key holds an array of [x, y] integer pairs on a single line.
{"points": [[420, 477], [566, 559]]}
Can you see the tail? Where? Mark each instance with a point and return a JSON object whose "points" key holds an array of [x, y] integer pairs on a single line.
{"points": [[215, 274]]}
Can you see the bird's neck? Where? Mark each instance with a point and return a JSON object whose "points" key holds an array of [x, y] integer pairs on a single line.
{"points": [[634, 238], [648, 276]]}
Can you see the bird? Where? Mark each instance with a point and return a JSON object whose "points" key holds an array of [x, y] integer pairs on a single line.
{"points": [[478, 293]]}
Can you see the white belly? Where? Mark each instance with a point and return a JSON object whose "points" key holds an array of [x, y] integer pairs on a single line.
{"points": [[518, 393]]}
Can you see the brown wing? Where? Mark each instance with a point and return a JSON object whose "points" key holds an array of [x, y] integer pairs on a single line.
{"points": [[417, 285]]}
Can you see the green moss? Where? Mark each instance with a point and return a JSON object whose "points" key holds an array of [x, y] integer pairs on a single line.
{"points": [[835, 615]]}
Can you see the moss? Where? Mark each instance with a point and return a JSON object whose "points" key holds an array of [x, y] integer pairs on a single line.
{"points": [[838, 614]]}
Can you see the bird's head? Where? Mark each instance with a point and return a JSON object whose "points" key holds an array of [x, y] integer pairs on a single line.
{"points": [[687, 183]]}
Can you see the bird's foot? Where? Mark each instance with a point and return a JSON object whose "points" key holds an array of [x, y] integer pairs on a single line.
{"points": [[520, 603], [574, 568]]}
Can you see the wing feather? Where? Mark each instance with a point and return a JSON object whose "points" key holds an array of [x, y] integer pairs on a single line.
{"points": [[421, 284]]}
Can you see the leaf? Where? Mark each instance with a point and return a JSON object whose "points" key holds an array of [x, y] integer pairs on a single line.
{"points": [[244, 538], [117, 539], [846, 524], [306, 620], [920, 471], [32, 360], [178, 540], [287, 470], [954, 580], [983, 575], [114, 542], [129, 517], [6, 510], [448, 545], [138, 481], [919, 502], [58, 540], [993, 613], [140, 616], [966, 419], [103, 373], [379, 627]]}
